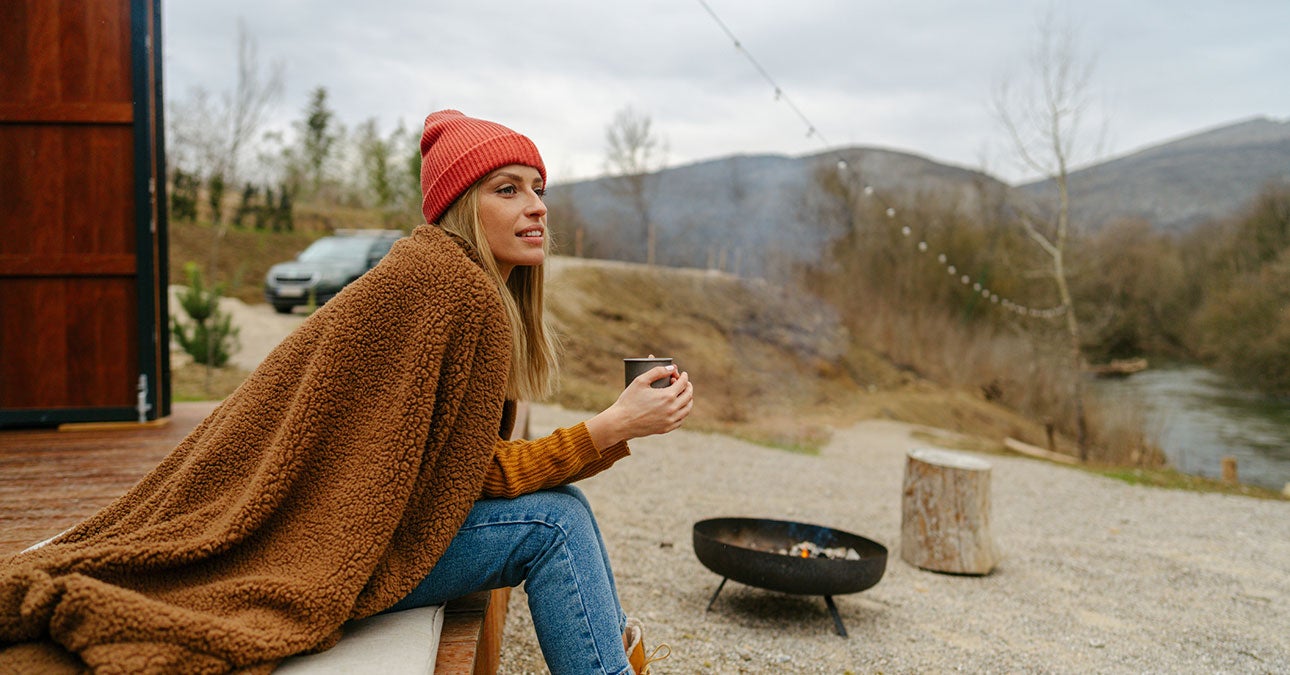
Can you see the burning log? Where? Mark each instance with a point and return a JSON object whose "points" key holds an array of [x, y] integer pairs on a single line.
{"points": [[809, 549], [945, 513]]}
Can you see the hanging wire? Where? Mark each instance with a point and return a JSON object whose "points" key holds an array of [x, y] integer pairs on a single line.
{"points": [[869, 192], [780, 95]]}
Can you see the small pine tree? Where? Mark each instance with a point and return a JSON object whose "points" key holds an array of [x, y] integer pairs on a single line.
{"points": [[215, 197], [260, 213], [183, 196], [209, 336], [283, 219], [246, 206]]}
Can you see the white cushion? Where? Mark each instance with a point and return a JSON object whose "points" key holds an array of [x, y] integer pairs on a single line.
{"points": [[388, 644]]}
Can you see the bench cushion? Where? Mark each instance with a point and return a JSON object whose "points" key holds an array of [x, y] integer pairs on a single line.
{"points": [[399, 643]]}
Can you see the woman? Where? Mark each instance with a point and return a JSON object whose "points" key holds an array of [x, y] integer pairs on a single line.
{"points": [[547, 537], [361, 467]]}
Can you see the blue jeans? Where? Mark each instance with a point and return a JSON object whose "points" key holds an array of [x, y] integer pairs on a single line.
{"points": [[550, 541]]}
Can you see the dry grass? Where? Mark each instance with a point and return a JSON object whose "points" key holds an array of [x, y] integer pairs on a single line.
{"points": [[757, 357], [243, 256], [190, 382], [1024, 373], [770, 365]]}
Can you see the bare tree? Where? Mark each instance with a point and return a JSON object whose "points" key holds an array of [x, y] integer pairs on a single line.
{"points": [[1044, 121], [215, 135], [633, 156], [248, 107]]}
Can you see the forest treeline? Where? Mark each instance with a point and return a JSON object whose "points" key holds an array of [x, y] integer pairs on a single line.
{"points": [[228, 171], [1218, 294]]}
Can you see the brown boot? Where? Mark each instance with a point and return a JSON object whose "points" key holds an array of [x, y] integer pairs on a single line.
{"points": [[634, 644]]}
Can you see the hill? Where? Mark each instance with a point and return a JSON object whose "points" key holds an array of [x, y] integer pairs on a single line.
{"points": [[751, 214], [756, 214], [1182, 183], [769, 363]]}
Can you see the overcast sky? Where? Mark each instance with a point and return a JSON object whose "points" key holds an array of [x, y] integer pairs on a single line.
{"points": [[915, 76]]}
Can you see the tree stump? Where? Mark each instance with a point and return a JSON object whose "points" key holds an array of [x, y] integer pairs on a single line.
{"points": [[945, 513]]}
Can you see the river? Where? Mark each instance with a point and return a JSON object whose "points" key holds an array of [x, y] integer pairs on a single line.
{"points": [[1197, 417]]}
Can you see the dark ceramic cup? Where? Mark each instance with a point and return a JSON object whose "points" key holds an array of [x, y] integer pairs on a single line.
{"points": [[632, 369]]}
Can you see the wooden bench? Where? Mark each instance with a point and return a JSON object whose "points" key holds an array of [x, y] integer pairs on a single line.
{"points": [[463, 636], [50, 479]]}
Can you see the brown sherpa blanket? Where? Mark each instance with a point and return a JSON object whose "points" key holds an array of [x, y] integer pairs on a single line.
{"points": [[323, 489]]}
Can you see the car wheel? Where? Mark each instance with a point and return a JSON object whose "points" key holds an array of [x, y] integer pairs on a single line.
{"points": [[281, 308]]}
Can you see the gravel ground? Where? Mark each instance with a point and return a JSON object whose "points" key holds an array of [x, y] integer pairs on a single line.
{"points": [[1097, 575]]}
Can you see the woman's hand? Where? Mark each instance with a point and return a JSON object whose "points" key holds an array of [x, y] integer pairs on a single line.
{"points": [[642, 410]]}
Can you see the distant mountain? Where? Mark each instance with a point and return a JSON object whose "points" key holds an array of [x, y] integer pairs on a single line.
{"points": [[747, 213], [1182, 183], [752, 214]]}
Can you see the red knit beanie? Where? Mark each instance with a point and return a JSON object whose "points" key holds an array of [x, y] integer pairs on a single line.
{"points": [[457, 150]]}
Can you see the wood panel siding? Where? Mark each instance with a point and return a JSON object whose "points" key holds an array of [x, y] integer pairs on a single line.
{"points": [[59, 51], [82, 258]]}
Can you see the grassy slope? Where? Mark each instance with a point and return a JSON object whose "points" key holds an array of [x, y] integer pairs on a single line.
{"points": [[768, 363], [244, 255], [241, 259]]}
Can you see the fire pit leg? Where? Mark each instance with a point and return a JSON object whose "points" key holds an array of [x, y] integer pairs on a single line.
{"points": [[714, 595], [837, 618]]}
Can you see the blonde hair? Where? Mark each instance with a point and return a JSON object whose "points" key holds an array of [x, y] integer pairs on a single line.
{"points": [[535, 364]]}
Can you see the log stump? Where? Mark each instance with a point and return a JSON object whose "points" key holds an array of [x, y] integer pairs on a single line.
{"points": [[945, 513]]}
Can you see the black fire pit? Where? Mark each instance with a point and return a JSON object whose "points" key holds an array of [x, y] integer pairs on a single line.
{"points": [[747, 550]]}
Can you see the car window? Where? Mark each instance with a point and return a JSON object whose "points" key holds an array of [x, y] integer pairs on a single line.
{"points": [[335, 249], [381, 248]]}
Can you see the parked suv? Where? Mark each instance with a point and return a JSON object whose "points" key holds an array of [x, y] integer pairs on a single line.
{"points": [[321, 270]]}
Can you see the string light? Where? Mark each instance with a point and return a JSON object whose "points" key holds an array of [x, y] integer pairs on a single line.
{"points": [[869, 191]]}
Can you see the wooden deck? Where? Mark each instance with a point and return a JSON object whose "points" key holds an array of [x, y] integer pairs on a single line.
{"points": [[50, 479]]}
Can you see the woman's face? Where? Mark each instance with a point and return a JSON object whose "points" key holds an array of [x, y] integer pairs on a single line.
{"points": [[513, 216]]}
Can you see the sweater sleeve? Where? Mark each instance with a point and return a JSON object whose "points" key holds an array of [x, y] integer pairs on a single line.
{"points": [[567, 455]]}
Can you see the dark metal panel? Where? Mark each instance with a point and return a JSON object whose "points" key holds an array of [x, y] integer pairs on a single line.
{"points": [[159, 205], [152, 327]]}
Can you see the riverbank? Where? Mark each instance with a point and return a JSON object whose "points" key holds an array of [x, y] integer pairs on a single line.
{"points": [[1097, 575], [1197, 417]]}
